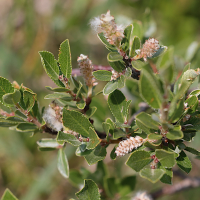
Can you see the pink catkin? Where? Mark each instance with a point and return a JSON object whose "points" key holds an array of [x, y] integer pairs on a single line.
{"points": [[149, 48], [128, 145]]}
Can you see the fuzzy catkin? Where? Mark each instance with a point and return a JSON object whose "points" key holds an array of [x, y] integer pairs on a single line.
{"points": [[86, 68], [149, 48], [142, 196], [53, 118], [128, 145], [106, 24]]}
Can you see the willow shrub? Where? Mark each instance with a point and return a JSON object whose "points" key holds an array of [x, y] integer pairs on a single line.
{"points": [[154, 129]]}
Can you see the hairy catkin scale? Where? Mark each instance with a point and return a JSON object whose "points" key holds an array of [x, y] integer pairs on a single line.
{"points": [[128, 145], [106, 24], [149, 48], [86, 68], [142, 196]]}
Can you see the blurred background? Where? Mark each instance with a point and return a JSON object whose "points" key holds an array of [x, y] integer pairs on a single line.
{"points": [[35, 25]]}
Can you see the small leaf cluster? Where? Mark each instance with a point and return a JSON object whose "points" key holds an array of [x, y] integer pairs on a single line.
{"points": [[169, 120]]}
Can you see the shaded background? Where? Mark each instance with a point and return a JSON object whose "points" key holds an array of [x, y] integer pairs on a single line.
{"points": [[31, 26]]}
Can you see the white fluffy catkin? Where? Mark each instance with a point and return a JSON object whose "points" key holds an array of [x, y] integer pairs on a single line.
{"points": [[142, 195], [128, 145], [53, 117]]}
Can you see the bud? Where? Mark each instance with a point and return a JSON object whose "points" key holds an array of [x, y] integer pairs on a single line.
{"points": [[149, 48], [128, 145], [86, 69]]}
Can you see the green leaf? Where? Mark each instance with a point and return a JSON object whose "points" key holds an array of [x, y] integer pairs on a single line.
{"points": [[66, 137], [195, 93], [128, 72], [143, 127], [81, 104], [159, 51], [147, 120], [127, 185], [177, 83], [26, 127], [79, 89], [186, 80], [165, 64], [189, 76], [111, 123], [93, 139], [89, 113], [58, 89], [193, 151], [175, 134], [50, 64], [76, 121], [183, 162], [150, 88], [114, 57], [138, 64], [154, 136], [153, 145], [5, 87], [166, 158], [138, 160], [126, 40], [191, 51], [7, 123], [106, 128], [49, 143], [166, 59], [113, 154], [135, 45], [102, 75], [57, 95], [90, 191], [111, 186], [117, 66], [153, 175], [10, 99], [8, 195], [82, 151], [62, 165], [192, 102], [118, 133], [64, 59], [167, 177], [97, 154], [110, 87], [106, 43], [29, 99], [177, 112], [117, 104], [76, 178], [137, 29]]}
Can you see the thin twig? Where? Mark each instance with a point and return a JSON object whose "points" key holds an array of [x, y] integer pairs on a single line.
{"points": [[182, 185]]}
